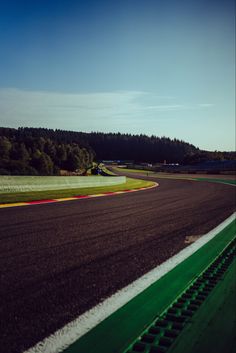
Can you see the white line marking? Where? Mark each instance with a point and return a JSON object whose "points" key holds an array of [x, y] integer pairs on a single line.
{"points": [[226, 183], [71, 332]]}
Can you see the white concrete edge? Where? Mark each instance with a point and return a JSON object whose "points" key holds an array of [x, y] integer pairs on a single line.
{"points": [[71, 332]]}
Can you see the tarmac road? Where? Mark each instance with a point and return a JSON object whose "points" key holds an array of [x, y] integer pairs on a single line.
{"points": [[58, 260]]}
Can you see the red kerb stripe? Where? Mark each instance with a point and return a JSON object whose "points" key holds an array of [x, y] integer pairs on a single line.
{"points": [[39, 201], [81, 197]]}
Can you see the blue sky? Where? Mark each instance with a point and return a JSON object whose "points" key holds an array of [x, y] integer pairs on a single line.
{"points": [[159, 67]]}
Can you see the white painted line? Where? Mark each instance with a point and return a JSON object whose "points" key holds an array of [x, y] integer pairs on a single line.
{"points": [[67, 335], [226, 183]]}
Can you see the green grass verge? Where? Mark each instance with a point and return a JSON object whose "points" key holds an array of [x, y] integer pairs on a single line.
{"points": [[174, 176], [139, 171], [224, 181], [186, 177], [107, 171], [117, 332], [54, 194]]}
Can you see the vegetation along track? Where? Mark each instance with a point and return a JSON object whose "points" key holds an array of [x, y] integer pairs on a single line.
{"points": [[59, 260]]}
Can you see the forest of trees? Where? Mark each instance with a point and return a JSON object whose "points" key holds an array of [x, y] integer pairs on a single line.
{"points": [[142, 148], [139, 148], [39, 151]]}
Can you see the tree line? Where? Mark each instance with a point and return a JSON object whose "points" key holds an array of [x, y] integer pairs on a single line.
{"points": [[139, 148], [35, 152], [150, 149], [46, 151]]}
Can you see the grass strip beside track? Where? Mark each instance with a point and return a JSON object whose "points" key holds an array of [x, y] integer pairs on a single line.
{"points": [[176, 176], [141, 171], [222, 181], [114, 334], [107, 171], [55, 194]]}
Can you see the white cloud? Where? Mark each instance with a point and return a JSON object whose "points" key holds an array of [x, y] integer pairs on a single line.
{"points": [[83, 111], [205, 105]]}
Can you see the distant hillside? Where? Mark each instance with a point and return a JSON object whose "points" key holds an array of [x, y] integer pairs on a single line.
{"points": [[46, 151]]}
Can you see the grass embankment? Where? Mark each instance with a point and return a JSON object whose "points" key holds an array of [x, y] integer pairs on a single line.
{"points": [[154, 174], [191, 177], [178, 176], [139, 171], [222, 181], [107, 171], [54, 194]]}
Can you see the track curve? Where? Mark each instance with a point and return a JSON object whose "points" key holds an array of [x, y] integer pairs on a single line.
{"points": [[59, 260]]}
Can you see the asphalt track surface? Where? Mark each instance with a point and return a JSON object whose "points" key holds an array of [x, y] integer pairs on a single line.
{"points": [[59, 260]]}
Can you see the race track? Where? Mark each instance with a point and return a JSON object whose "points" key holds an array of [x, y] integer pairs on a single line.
{"points": [[58, 260]]}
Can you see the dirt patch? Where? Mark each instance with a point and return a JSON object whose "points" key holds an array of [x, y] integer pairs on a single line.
{"points": [[191, 239]]}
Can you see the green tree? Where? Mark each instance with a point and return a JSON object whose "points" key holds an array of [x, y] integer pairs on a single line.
{"points": [[72, 162], [42, 163], [50, 148], [5, 147], [45, 165], [20, 152]]}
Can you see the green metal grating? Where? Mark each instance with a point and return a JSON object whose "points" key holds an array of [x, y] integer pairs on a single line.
{"points": [[160, 335]]}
